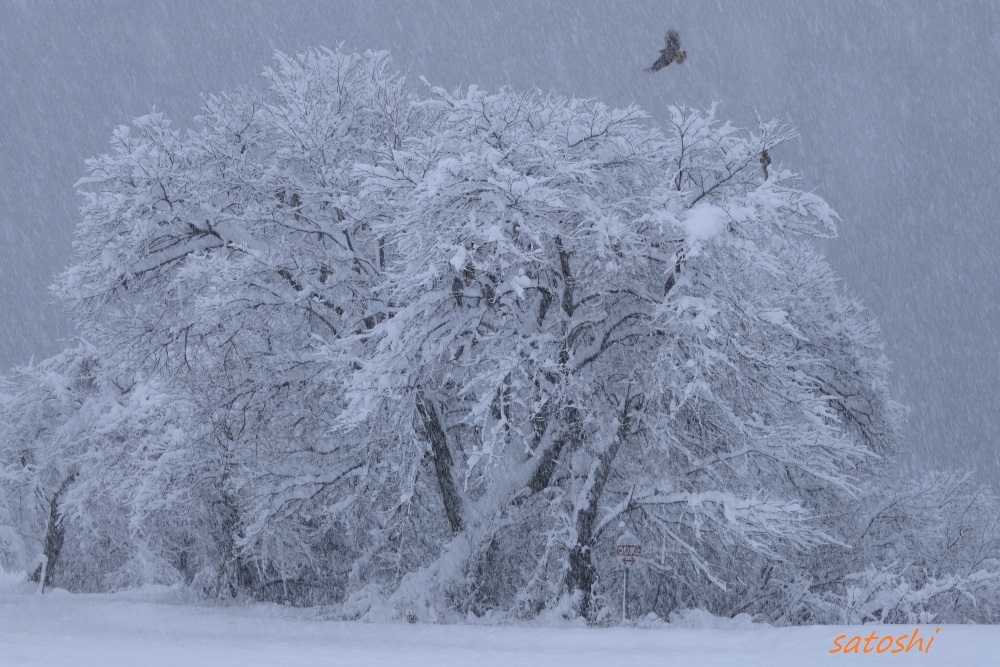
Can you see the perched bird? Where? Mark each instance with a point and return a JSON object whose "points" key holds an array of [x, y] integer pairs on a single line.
{"points": [[765, 162], [670, 53]]}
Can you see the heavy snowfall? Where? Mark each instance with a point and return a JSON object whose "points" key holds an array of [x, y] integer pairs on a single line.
{"points": [[359, 358]]}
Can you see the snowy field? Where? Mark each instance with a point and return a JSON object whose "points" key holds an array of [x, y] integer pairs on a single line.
{"points": [[104, 630]]}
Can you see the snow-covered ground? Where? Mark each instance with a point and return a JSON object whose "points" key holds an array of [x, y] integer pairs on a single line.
{"points": [[146, 629]]}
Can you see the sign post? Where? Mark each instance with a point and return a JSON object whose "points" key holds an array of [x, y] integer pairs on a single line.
{"points": [[628, 549]]}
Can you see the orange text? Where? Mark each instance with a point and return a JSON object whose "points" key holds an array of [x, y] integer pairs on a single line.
{"points": [[874, 643]]}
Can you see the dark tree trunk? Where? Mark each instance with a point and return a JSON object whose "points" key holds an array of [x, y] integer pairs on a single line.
{"points": [[542, 475], [55, 535], [441, 456], [582, 576]]}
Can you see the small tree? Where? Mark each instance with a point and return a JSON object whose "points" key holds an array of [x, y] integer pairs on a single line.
{"points": [[46, 411]]}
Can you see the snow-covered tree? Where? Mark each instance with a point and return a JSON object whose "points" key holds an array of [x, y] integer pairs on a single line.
{"points": [[428, 354], [591, 321], [95, 487], [223, 261], [46, 411], [915, 549]]}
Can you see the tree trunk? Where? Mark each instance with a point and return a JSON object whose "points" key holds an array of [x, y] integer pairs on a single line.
{"points": [[441, 456], [581, 575], [542, 475], [55, 535]]}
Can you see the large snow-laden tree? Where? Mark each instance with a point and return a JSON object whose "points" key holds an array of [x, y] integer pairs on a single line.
{"points": [[590, 323], [223, 259], [429, 353]]}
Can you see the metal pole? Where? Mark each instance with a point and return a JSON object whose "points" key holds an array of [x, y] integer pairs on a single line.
{"points": [[624, 589]]}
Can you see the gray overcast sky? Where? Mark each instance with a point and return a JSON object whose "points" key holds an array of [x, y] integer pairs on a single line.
{"points": [[898, 104]]}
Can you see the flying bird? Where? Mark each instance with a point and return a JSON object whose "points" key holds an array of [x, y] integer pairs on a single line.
{"points": [[670, 53]]}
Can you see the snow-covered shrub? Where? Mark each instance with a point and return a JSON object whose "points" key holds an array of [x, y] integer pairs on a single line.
{"points": [[914, 548]]}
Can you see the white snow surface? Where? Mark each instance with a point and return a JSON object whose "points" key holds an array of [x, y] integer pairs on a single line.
{"points": [[154, 628], [703, 221]]}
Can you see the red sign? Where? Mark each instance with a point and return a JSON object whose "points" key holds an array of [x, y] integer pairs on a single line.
{"points": [[628, 552]]}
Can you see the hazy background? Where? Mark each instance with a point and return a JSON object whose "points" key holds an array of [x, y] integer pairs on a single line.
{"points": [[897, 104]]}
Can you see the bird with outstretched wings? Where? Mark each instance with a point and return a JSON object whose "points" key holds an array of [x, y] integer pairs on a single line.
{"points": [[671, 53]]}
